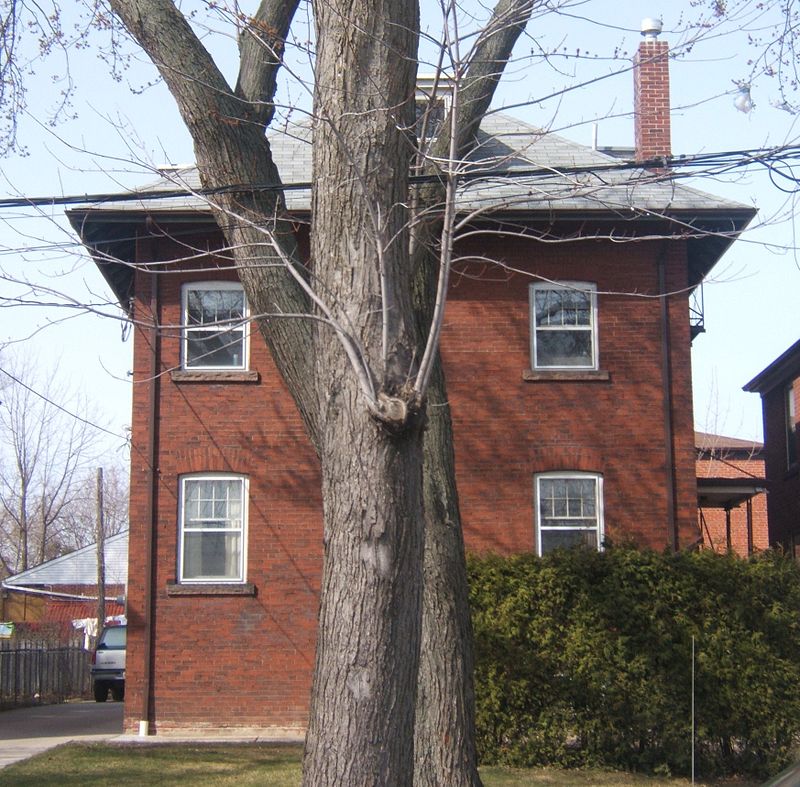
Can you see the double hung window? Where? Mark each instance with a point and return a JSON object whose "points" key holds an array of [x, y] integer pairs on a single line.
{"points": [[568, 511], [212, 528], [563, 326], [214, 326]]}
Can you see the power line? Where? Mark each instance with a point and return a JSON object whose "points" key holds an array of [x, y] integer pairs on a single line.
{"points": [[59, 407], [719, 163]]}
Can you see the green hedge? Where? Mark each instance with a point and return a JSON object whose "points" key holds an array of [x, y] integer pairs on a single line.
{"points": [[584, 659]]}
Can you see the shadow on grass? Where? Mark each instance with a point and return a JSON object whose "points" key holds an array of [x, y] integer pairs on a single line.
{"points": [[248, 765]]}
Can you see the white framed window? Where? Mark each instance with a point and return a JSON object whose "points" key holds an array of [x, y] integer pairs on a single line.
{"points": [[213, 528], [569, 510], [214, 326], [563, 325]]}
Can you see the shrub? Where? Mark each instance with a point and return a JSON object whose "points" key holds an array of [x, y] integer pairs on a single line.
{"points": [[585, 658]]}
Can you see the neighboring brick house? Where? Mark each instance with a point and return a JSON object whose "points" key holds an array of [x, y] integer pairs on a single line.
{"points": [[569, 378], [779, 386], [65, 588], [731, 494]]}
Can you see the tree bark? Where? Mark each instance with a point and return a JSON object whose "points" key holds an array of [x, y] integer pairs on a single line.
{"points": [[362, 711], [444, 730]]}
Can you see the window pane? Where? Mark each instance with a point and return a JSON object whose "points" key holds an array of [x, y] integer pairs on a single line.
{"points": [[214, 348], [210, 307], [211, 555], [213, 503], [115, 637], [791, 427], [214, 331], [564, 348], [564, 539], [562, 307], [567, 502], [545, 306]]}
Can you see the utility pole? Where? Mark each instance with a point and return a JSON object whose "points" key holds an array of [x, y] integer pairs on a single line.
{"points": [[101, 557]]}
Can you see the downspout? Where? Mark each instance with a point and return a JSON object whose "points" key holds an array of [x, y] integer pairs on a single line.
{"points": [[728, 533], [749, 510], [666, 384], [152, 502]]}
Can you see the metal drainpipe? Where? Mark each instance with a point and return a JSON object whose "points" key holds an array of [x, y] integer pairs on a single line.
{"points": [[666, 382], [728, 533], [152, 498]]}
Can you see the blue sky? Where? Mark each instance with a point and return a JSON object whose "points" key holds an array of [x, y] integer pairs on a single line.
{"points": [[121, 130]]}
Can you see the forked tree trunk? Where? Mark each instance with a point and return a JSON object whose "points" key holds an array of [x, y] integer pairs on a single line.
{"points": [[365, 676]]}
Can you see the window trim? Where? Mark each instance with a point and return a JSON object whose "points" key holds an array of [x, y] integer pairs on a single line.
{"points": [[241, 577], [568, 474], [187, 330], [580, 286]]}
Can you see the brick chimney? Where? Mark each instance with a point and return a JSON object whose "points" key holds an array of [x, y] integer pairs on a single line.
{"points": [[651, 94]]}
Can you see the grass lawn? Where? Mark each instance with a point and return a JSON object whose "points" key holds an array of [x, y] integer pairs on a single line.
{"points": [[98, 765]]}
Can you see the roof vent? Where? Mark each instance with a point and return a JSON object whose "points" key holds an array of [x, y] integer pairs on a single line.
{"points": [[651, 27]]}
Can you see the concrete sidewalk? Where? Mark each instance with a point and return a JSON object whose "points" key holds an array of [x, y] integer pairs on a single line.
{"points": [[25, 732], [17, 749]]}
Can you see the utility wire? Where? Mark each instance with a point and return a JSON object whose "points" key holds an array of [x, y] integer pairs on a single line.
{"points": [[63, 409], [772, 159]]}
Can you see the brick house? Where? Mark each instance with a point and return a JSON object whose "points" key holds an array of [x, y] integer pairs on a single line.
{"points": [[564, 359], [731, 494], [779, 386]]}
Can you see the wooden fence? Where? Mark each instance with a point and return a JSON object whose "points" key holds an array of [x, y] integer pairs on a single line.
{"points": [[42, 671]]}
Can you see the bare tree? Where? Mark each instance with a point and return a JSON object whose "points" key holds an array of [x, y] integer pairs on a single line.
{"points": [[44, 460], [360, 372], [80, 528], [354, 332]]}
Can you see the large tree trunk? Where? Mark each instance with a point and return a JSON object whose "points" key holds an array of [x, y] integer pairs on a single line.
{"points": [[362, 712]]}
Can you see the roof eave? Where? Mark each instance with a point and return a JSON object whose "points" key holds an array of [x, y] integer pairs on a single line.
{"points": [[111, 235], [785, 367]]}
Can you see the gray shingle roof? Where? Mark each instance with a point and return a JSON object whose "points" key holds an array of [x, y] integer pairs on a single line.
{"points": [[79, 567], [518, 174], [536, 161]]}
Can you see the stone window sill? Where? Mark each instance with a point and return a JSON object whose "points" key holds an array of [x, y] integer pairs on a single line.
{"points": [[238, 376], [565, 375], [211, 589]]}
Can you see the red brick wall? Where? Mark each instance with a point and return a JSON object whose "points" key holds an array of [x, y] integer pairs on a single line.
{"points": [[720, 463], [246, 661], [651, 100], [507, 429], [223, 660], [783, 481]]}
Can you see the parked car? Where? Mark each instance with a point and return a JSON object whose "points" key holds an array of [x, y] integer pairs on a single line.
{"points": [[108, 664]]}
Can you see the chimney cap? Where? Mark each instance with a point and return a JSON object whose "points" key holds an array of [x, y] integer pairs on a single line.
{"points": [[651, 27]]}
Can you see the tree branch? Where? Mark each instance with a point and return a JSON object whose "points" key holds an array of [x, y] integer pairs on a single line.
{"points": [[231, 149], [261, 48]]}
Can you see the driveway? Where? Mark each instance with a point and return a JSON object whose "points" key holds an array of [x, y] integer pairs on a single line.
{"points": [[28, 731]]}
